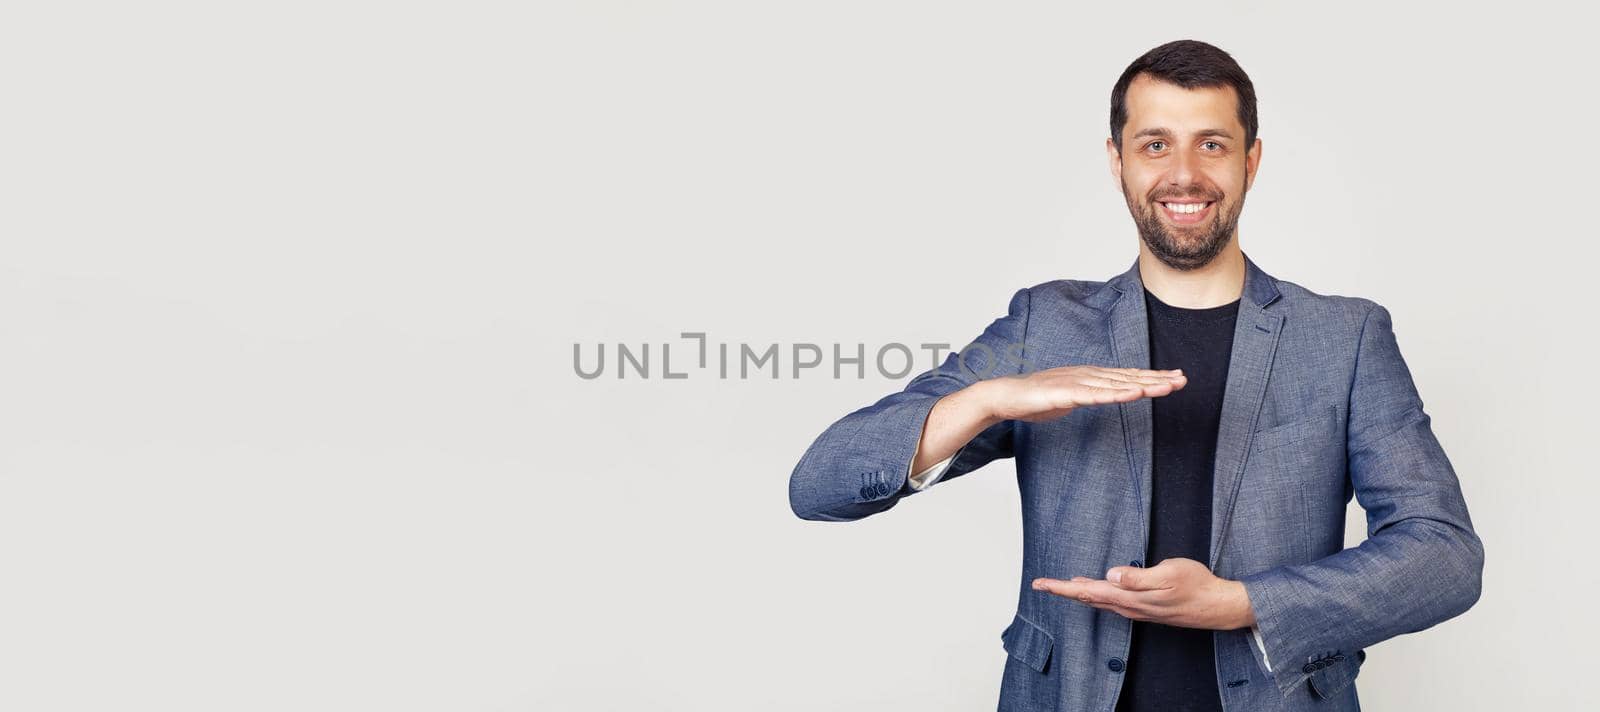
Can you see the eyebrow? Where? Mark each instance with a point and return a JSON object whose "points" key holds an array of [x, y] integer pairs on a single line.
{"points": [[1167, 133]]}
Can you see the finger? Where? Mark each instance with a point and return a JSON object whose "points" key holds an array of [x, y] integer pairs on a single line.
{"points": [[1160, 389], [1135, 391], [1125, 611], [1145, 386], [1113, 379], [1174, 382], [1144, 372], [1156, 377], [1089, 591], [1074, 589], [1095, 395], [1112, 383], [1090, 394], [1103, 595], [1115, 374], [1133, 578]]}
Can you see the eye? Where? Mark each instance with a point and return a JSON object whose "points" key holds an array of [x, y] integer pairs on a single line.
{"points": [[1155, 145], [1212, 146]]}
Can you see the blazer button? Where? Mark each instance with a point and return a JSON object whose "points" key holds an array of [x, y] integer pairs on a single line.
{"points": [[1136, 563], [1115, 664], [1308, 668]]}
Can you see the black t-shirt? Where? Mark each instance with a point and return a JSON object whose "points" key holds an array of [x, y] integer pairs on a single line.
{"points": [[1173, 669]]}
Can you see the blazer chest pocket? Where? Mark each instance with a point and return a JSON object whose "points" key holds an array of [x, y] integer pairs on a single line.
{"points": [[1320, 429]]}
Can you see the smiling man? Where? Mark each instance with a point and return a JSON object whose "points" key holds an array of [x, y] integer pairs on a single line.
{"points": [[1195, 413]]}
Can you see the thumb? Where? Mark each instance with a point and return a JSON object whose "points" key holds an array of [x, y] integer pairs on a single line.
{"points": [[1127, 577]]}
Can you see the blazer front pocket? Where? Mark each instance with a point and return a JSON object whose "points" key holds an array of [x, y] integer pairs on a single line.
{"points": [[1028, 643], [1032, 680], [1288, 464], [1274, 521]]}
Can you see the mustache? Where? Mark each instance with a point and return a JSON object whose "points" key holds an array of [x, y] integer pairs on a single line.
{"points": [[1194, 195]]}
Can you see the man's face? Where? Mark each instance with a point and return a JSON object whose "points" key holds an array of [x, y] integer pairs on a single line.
{"points": [[1184, 169]]}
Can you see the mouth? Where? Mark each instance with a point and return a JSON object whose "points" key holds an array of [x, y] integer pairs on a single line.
{"points": [[1187, 212]]}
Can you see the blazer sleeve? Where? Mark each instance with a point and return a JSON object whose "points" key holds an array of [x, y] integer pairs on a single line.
{"points": [[1421, 563], [860, 464]]}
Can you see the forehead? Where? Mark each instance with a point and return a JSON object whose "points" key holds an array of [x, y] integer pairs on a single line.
{"points": [[1155, 103]]}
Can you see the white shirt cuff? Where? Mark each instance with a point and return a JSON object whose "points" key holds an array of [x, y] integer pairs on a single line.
{"points": [[1262, 646], [925, 479]]}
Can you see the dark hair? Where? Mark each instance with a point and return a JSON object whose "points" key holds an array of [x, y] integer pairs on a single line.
{"points": [[1189, 64]]}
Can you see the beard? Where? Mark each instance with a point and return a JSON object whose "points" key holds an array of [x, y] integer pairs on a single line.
{"points": [[1185, 248]]}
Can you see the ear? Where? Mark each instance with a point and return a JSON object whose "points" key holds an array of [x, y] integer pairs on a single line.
{"points": [[1252, 158], [1114, 157]]}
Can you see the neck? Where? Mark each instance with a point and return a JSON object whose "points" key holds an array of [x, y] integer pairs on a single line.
{"points": [[1219, 282]]}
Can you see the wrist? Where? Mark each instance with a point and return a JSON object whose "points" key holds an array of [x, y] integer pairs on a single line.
{"points": [[1244, 614], [986, 400]]}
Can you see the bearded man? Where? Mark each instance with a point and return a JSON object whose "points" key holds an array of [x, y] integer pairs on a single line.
{"points": [[1187, 436]]}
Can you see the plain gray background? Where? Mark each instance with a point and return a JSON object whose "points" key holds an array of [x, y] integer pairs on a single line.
{"points": [[289, 292]]}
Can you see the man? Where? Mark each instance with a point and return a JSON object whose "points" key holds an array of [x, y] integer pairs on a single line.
{"points": [[1194, 413]]}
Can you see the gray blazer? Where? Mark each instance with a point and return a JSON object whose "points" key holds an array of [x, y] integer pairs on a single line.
{"points": [[1319, 406]]}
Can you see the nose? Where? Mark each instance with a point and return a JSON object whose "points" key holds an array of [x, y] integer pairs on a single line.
{"points": [[1183, 170]]}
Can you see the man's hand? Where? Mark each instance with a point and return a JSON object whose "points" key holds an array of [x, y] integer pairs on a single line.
{"points": [[1037, 397], [1046, 395], [1175, 592]]}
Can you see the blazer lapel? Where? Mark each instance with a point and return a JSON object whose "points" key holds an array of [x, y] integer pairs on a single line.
{"points": [[1255, 340], [1130, 348]]}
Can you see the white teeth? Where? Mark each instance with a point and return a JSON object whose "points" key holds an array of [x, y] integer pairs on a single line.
{"points": [[1186, 207]]}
